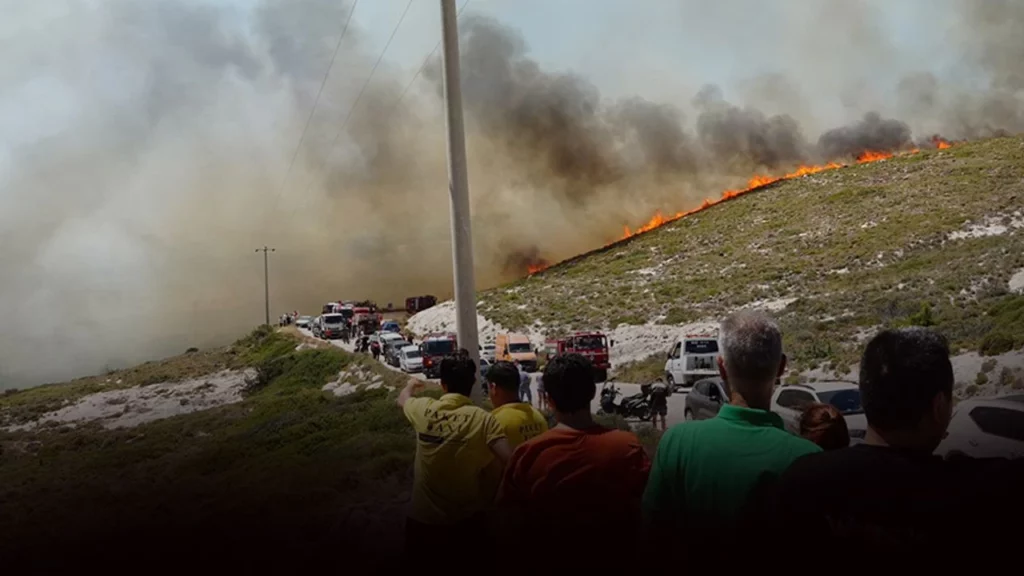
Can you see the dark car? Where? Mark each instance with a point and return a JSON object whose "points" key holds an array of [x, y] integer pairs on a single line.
{"points": [[391, 350], [705, 399]]}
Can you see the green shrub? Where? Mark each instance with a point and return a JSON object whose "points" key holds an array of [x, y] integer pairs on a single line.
{"points": [[981, 379], [988, 365], [995, 343]]}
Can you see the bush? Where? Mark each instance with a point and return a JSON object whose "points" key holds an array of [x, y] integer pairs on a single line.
{"points": [[988, 365], [1006, 377], [981, 379], [995, 343]]}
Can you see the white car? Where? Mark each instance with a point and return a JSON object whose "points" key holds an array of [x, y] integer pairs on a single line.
{"points": [[410, 359], [986, 428], [487, 352], [790, 400], [383, 338], [303, 322]]}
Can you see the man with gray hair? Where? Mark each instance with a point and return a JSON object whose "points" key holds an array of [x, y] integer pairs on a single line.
{"points": [[704, 471]]}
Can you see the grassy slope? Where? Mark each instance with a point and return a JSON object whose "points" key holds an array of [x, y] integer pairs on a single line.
{"points": [[287, 466], [291, 475], [883, 224]]}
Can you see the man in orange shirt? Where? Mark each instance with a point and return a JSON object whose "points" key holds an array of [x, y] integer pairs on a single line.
{"points": [[579, 478]]}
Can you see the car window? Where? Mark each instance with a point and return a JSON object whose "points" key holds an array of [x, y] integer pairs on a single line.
{"points": [[701, 388], [794, 399], [1001, 422], [675, 350]]}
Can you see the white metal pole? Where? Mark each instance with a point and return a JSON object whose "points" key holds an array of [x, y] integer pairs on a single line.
{"points": [[458, 188]]}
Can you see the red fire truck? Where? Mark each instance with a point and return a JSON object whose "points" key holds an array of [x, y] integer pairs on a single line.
{"points": [[433, 348], [593, 345], [419, 303]]}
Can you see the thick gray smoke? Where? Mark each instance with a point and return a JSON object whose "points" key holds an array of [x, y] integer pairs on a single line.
{"points": [[147, 146]]}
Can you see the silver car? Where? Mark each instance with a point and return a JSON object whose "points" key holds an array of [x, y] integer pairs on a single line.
{"points": [[986, 428], [705, 399]]}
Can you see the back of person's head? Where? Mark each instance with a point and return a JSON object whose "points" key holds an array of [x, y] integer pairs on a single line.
{"points": [[751, 352], [504, 375], [569, 382], [824, 425], [458, 373], [906, 383]]}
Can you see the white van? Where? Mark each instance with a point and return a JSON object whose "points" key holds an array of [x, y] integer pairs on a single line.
{"points": [[693, 357]]}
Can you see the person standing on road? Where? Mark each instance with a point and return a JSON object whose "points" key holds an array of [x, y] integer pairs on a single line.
{"points": [[375, 349], [704, 471], [563, 484], [525, 393], [455, 442], [659, 402]]}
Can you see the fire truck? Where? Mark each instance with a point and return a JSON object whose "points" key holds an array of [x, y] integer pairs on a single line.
{"points": [[433, 348], [593, 345], [365, 317], [419, 303]]}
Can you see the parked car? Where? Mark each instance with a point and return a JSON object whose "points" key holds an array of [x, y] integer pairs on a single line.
{"points": [[383, 338], [705, 399], [986, 428], [790, 400], [303, 321], [315, 325], [390, 326], [392, 352], [410, 359]]}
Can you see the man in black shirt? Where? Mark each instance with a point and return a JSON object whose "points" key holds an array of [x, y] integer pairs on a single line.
{"points": [[889, 497]]}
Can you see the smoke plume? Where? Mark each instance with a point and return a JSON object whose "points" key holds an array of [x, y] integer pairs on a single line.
{"points": [[147, 151]]}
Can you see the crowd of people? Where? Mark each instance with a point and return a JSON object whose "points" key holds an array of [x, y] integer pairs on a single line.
{"points": [[585, 494]]}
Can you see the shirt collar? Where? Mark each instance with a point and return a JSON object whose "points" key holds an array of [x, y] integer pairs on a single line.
{"points": [[455, 399], [750, 416]]}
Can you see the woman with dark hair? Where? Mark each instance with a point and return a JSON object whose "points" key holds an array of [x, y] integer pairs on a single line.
{"points": [[824, 425]]}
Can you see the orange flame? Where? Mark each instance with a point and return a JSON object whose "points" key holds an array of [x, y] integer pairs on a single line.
{"points": [[534, 268], [940, 142], [754, 183]]}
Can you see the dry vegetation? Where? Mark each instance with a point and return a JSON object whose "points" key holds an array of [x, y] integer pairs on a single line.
{"points": [[855, 249]]}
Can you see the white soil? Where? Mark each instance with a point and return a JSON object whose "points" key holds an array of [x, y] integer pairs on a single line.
{"points": [[352, 379], [990, 226], [134, 406], [1016, 283]]}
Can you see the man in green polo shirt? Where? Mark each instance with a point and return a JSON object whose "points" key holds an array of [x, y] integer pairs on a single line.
{"points": [[705, 471]]}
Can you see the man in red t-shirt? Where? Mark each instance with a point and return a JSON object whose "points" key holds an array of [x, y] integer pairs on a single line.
{"points": [[578, 480]]}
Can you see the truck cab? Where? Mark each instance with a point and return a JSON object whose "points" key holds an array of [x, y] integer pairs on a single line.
{"points": [[693, 357], [434, 347], [515, 348], [592, 345]]}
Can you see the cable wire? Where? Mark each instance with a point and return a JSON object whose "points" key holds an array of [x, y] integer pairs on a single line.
{"points": [[316, 102], [423, 66], [334, 142]]}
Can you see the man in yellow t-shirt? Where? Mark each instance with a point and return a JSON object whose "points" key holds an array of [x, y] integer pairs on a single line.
{"points": [[520, 420], [455, 442]]}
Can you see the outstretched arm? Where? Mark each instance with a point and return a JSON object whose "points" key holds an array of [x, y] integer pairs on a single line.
{"points": [[502, 450], [414, 386]]}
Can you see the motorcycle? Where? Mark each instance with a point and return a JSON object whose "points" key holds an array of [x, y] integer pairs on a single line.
{"points": [[635, 406]]}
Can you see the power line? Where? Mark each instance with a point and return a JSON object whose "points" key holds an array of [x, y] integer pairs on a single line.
{"points": [[423, 66], [316, 102], [373, 70]]}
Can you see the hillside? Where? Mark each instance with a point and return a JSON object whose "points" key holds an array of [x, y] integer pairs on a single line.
{"points": [[935, 238], [294, 453]]}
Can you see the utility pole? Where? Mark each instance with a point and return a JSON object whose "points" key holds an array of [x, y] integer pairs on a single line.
{"points": [[266, 279], [458, 189]]}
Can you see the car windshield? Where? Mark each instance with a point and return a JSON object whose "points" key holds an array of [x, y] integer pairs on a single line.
{"points": [[701, 347], [439, 347], [847, 401], [333, 319], [589, 343], [347, 312], [520, 347], [412, 353]]}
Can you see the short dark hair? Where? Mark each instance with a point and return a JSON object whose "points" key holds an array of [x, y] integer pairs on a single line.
{"points": [[901, 372], [569, 382], [458, 373], [504, 375]]}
